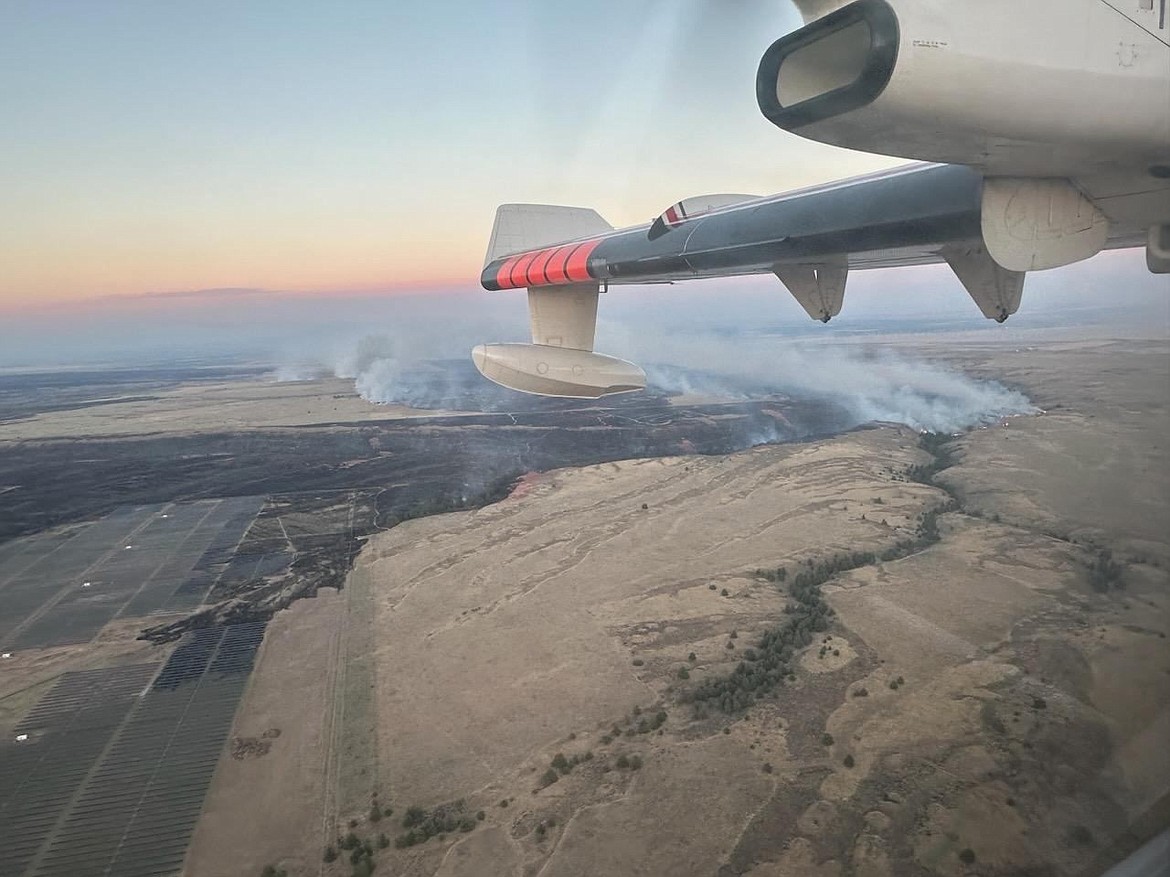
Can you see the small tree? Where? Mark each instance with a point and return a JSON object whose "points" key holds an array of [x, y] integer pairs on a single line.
{"points": [[967, 856], [330, 854], [826, 739], [848, 762], [550, 776]]}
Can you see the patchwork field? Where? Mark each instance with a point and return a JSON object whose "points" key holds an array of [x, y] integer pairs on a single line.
{"points": [[976, 682]]}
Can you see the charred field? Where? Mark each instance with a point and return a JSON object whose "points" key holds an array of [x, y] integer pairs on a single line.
{"points": [[462, 444]]}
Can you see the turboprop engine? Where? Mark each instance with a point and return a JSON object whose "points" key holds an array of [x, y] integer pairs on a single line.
{"points": [[1070, 130], [969, 83]]}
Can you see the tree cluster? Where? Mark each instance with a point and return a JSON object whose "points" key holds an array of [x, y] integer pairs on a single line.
{"points": [[765, 666], [422, 824]]}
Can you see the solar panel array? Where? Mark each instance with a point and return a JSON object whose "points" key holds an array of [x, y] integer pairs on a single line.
{"points": [[112, 783], [136, 561], [67, 731]]}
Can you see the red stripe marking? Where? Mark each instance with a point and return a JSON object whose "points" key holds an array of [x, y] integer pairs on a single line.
{"points": [[555, 269], [505, 272], [520, 270], [671, 216], [536, 271], [577, 266]]}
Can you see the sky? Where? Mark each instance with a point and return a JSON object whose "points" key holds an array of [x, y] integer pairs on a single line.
{"points": [[311, 146], [188, 174]]}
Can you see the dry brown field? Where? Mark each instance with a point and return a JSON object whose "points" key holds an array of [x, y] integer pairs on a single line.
{"points": [[476, 646]]}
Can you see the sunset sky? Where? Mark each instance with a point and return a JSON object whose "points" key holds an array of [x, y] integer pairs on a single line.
{"points": [[316, 146]]}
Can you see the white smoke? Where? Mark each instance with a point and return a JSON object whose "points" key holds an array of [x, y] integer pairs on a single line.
{"points": [[380, 382], [872, 385], [868, 384], [374, 363]]}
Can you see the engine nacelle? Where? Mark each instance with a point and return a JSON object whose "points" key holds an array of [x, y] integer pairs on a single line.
{"points": [[1045, 87]]}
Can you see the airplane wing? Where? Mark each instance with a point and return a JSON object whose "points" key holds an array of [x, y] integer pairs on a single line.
{"points": [[809, 239], [899, 217], [1020, 177]]}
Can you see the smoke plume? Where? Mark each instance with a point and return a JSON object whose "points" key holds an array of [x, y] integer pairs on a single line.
{"points": [[871, 385], [867, 385]]}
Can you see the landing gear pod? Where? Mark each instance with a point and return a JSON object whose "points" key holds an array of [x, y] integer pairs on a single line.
{"points": [[556, 371]]}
